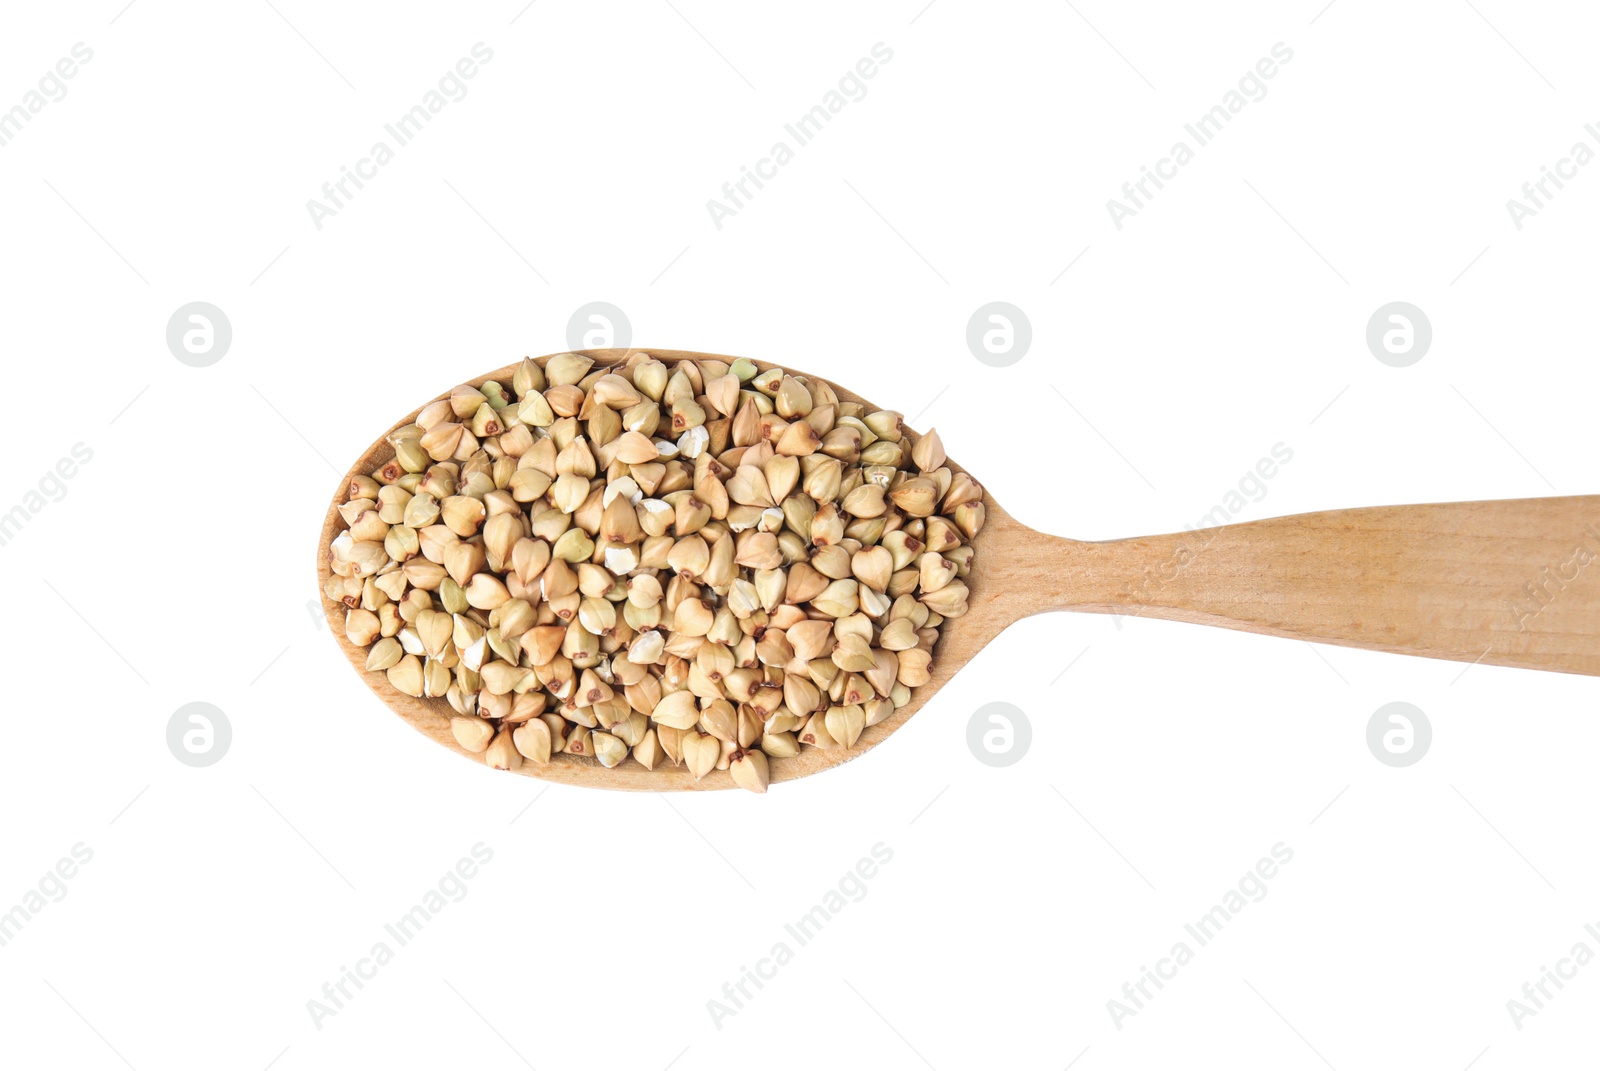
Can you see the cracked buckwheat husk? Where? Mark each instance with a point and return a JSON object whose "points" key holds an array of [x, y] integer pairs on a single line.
{"points": [[691, 563]]}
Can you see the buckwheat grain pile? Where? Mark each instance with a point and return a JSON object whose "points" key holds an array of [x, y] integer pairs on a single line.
{"points": [[688, 562]]}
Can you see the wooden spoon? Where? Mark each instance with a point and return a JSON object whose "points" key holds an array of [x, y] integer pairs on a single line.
{"points": [[1509, 583]]}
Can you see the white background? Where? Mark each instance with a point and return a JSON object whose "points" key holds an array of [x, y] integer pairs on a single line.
{"points": [[1226, 317]]}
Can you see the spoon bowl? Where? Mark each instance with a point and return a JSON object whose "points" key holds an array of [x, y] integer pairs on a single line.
{"points": [[1508, 583], [431, 717]]}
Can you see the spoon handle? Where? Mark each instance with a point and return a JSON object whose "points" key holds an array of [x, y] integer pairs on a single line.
{"points": [[1511, 583]]}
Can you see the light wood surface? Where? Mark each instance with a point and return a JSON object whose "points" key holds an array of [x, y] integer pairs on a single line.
{"points": [[1508, 583]]}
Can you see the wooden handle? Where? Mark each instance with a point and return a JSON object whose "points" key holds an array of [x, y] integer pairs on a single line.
{"points": [[1511, 583]]}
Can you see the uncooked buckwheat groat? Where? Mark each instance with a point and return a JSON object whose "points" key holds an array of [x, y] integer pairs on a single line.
{"points": [[696, 563]]}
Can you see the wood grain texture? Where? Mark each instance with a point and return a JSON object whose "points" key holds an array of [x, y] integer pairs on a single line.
{"points": [[1507, 583], [1510, 583]]}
